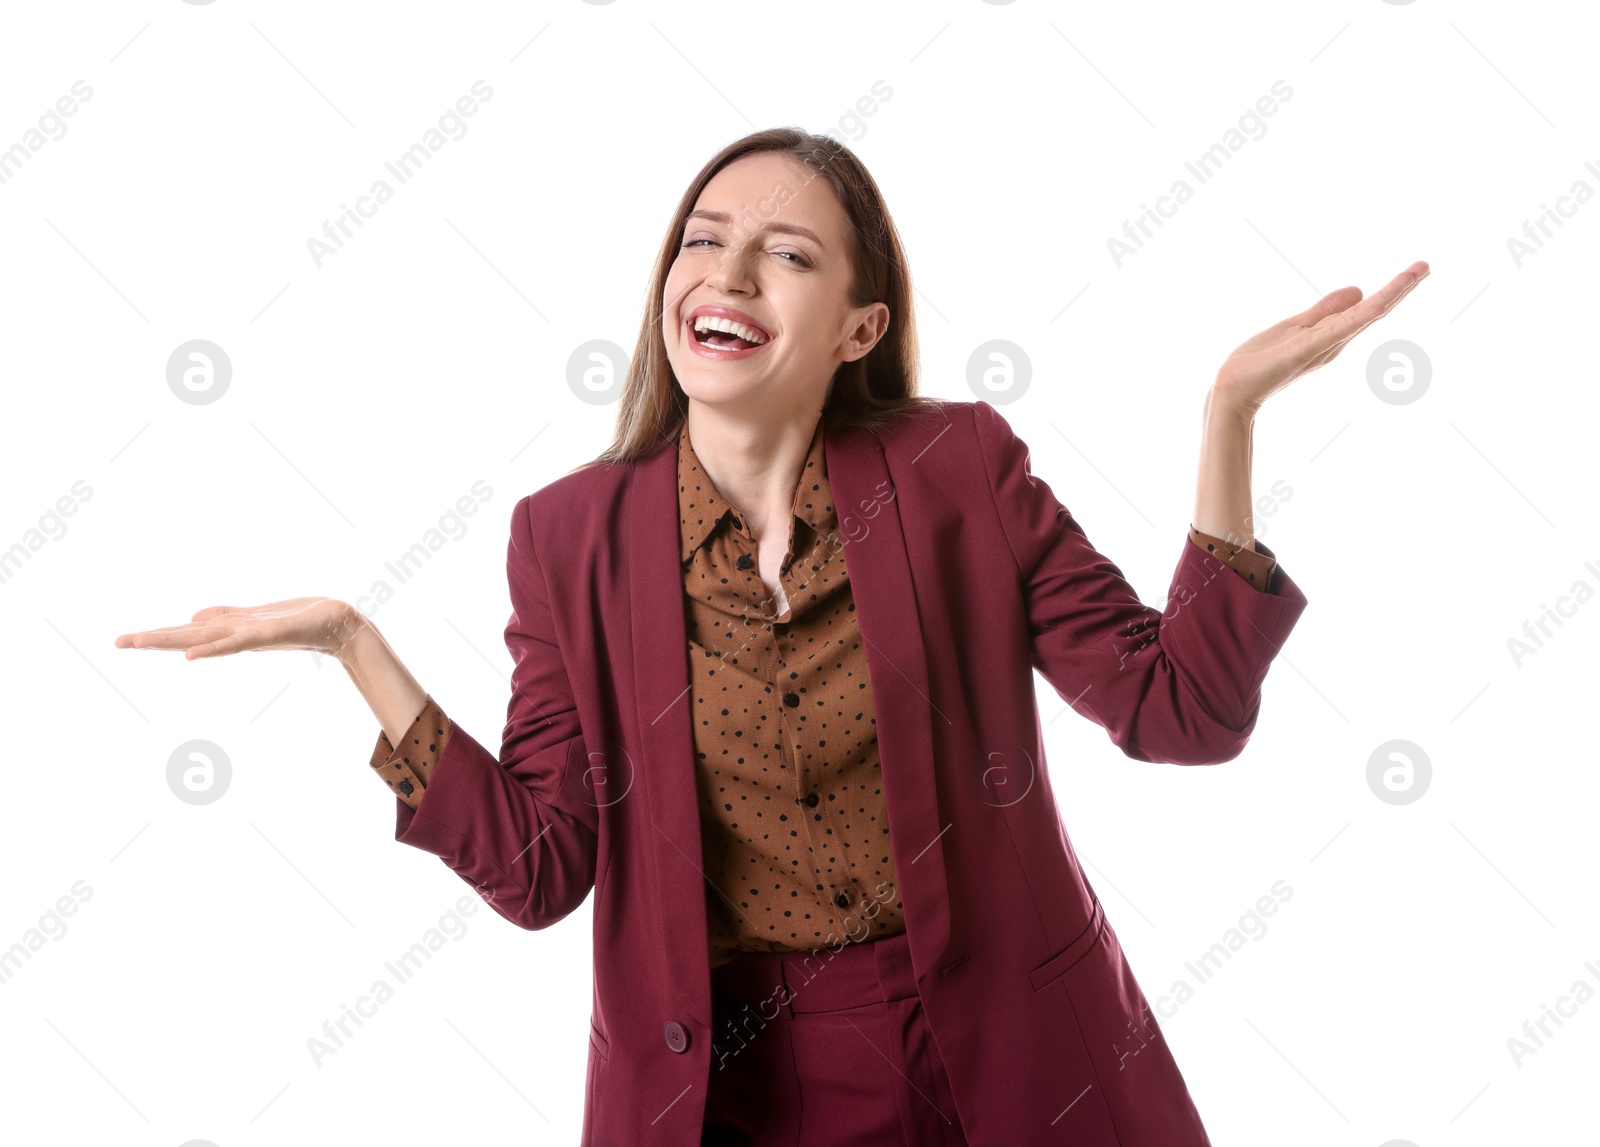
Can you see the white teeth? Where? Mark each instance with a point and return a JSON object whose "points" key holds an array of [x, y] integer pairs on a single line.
{"points": [[728, 326]]}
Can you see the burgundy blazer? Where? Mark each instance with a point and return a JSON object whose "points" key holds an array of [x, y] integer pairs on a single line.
{"points": [[968, 575]]}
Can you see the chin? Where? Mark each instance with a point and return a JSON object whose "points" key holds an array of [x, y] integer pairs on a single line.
{"points": [[718, 391]]}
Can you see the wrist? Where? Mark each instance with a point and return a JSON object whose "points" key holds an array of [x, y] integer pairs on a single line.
{"points": [[1223, 406], [352, 636]]}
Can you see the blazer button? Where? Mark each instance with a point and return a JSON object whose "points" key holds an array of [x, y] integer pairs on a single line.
{"points": [[791, 700], [677, 1038]]}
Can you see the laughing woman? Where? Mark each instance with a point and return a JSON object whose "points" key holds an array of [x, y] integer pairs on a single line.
{"points": [[773, 704]]}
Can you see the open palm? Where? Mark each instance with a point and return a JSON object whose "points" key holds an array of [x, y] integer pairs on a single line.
{"points": [[1283, 352], [320, 624]]}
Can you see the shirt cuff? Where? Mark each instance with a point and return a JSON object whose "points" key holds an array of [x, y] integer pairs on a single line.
{"points": [[1255, 567], [406, 770]]}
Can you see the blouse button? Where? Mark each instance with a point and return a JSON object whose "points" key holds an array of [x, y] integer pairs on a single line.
{"points": [[791, 700], [744, 562], [811, 800], [842, 900]]}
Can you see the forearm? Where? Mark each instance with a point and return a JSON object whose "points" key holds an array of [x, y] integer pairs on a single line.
{"points": [[384, 682], [1222, 503]]}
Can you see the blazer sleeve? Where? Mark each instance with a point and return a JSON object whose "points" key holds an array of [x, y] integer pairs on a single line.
{"points": [[521, 828], [1180, 685]]}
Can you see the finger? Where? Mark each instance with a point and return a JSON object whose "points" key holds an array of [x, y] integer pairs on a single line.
{"points": [[133, 640], [170, 637], [1399, 287], [1393, 291], [284, 608], [148, 638], [211, 649], [1330, 304], [151, 641], [1327, 341]]}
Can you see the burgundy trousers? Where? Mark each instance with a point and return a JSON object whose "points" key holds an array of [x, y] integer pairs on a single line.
{"points": [[825, 1049]]}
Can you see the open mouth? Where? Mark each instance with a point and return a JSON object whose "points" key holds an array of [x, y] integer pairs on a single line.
{"points": [[720, 340]]}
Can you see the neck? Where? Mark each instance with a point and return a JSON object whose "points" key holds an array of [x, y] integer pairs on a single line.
{"points": [[756, 464]]}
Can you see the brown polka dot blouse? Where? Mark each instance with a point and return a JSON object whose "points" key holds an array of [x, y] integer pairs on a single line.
{"points": [[796, 839], [794, 829]]}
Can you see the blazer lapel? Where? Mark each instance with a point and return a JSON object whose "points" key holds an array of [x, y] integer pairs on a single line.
{"points": [[873, 534], [665, 774]]}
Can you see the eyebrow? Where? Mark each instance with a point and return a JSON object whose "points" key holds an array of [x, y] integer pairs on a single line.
{"points": [[786, 228]]}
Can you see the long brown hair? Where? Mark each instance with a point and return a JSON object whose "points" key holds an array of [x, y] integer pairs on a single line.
{"points": [[870, 392]]}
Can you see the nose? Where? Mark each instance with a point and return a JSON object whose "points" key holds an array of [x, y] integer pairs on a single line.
{"points": [[732, 271]]}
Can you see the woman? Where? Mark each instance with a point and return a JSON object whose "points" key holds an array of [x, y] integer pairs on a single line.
{"points": [[834, 901]]}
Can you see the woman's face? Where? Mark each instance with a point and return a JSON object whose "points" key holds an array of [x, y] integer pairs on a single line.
{"points": [[765, 247]]}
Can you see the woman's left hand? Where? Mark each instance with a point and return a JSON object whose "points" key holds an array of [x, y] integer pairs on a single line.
{"points": [[1298, 345]]}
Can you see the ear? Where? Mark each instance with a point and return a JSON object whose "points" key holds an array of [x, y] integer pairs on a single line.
{"points": [[872, 321]]}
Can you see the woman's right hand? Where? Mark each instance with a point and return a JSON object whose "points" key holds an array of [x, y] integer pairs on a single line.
{"points": [[320, 624]]}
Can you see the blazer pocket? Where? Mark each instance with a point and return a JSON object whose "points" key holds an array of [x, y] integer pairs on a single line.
{"points": [[600, 1043], [1051, 970]]}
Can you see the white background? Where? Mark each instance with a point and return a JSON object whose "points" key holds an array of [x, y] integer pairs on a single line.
{"points": [[370, 393]]}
